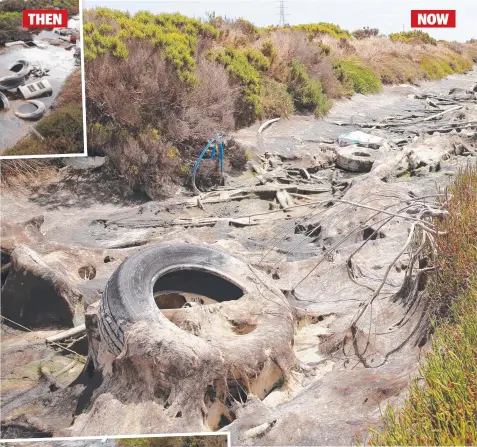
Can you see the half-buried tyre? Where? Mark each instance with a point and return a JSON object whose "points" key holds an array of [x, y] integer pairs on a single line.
{"points": [[162, 353], [131, 295]]}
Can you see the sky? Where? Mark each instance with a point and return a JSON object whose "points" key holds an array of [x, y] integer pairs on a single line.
{"points": [[388, 16]]}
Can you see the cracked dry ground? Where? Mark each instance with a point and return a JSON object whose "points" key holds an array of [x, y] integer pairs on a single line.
{"points": [[318, 238]]}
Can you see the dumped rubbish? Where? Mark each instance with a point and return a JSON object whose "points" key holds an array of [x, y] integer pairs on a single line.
{"points": [[21, 67], [65, 31], [354, 158], [77, 56], [36, 114], [38, 72], [4, 104], [358, 137], [215, 144], [11, 82], [267, 123], [36, 89]]}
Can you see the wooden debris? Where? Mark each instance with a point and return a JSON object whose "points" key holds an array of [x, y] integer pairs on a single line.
{"points": [[78, 330]]}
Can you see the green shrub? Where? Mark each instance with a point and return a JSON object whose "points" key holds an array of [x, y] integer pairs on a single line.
{"points": [[257, 59], [442, 410], [365, 33], [248, 28], [413, 37], [21, 5], [269, 50], [11, 27], [307, 92], [435, 67], [275, 100], [325, 50], [356, 76], [63, 127], [316, 29], [245, 74], [460, 63], [174, 35]]}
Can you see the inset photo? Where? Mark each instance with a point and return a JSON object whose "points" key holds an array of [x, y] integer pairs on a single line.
{"points": [[192, 440], [41, 80]]}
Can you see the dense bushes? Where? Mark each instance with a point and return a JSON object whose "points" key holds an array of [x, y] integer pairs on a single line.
{"points": [[20, 5], [435, 67], [174, 35], [365, 32], [413, 37], [245, 66], [275, 100], [307, 93], [11, 27], [357, 77], [185, 80], [318, 29]]}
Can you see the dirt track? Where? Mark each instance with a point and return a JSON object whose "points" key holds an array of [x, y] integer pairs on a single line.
{"points": [[302, 249]]}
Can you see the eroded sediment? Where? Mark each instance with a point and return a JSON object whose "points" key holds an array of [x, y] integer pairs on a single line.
{"points": [[334, 266]]}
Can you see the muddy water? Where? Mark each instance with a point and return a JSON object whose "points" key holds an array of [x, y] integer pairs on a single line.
{"points": [[59, 61]]}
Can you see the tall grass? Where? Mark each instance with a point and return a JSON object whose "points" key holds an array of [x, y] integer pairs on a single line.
{"points": [[443, 409]]}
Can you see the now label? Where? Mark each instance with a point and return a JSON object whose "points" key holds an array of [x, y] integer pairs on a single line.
{"points": [[45, 18], [439, 18]]}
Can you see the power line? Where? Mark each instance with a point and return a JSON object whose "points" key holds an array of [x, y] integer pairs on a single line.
{"points": [[282, 13]]}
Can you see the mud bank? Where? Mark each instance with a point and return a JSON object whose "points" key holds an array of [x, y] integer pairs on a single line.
{"points": [[333, 264]]}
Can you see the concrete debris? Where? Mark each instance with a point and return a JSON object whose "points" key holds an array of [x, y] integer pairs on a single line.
{"points": [[36, 89]]}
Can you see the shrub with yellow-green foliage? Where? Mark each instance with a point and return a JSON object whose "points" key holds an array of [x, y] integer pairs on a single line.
{"points": [[357, 77], [174, 35], [307, 92], [269, 50], [413, 37], [442, 409], [319, 29], [275, 100], [11, 27], [435, 67], [244, 66], [186, 79]]}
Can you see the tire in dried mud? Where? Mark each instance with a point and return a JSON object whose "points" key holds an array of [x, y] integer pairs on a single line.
{"points": [[355, 159], [128, 295]]}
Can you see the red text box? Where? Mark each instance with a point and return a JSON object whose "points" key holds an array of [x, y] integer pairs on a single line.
{"points": [[433, 18], [45, 18]]}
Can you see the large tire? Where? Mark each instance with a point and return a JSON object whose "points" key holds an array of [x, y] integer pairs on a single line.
{"points": [[128, 296], [21, 67], [36, 114]]}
